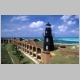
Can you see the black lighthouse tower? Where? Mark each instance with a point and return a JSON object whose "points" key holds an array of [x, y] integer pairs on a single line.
{"points": [[48, 39]]}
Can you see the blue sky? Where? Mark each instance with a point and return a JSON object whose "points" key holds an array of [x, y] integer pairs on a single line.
{"points": [[34, 25]]}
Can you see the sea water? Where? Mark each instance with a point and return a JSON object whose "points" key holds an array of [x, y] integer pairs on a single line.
{"points": [[67, 40]]}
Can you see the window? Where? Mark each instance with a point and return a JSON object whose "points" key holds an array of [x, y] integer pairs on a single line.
{"points": [[46, 39], [46, 31], [46, 47]]}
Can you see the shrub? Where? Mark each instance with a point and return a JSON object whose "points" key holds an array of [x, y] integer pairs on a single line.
{"points": [[5, 58]]}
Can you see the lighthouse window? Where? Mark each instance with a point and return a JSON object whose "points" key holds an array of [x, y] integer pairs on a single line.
{"points": [[46, 39], [46, 47], [46, 31]]}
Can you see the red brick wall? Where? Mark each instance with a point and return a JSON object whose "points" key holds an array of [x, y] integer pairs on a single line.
{"points": [[67, 52], [31, 42], [46, 58]]}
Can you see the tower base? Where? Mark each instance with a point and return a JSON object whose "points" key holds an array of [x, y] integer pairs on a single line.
{"points": [[46, 57]]}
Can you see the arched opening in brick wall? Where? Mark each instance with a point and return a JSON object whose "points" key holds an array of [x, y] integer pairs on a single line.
{"points": [[34, 55], [10, 41], [30, 53], [38, 57], [25, 45], [34, 49], [5, 41], [38, 51], [28, 47], [27, 52]]}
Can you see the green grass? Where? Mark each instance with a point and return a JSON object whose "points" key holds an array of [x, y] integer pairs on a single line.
{"points": [[25, 60], [59, 58], [5, 57], [62, 59], [68, 48], [39, 43]]}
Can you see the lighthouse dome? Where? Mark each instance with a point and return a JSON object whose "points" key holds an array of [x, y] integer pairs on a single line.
{"points": [[48, 25]]}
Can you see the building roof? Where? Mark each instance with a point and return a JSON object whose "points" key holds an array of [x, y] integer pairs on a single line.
{"points": [[31, 42]]}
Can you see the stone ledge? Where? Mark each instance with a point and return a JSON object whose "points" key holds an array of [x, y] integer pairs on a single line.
{"points": [[52, 53]]}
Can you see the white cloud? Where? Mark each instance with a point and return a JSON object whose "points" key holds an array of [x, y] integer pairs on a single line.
{"points": [[40, 28], [52, 26], [75, 31], [18, 28], [6, 30], [35, 30], [65, 17], [70, 22], [36, 24], [22, 18], [23, 26], [55, 32], [72, 31], [62, 28]]}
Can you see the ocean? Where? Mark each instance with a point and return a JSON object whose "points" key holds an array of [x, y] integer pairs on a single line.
{"points": [[66, 40]]}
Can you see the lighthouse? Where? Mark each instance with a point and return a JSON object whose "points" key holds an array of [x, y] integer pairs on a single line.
{"points": [[48, 38]]}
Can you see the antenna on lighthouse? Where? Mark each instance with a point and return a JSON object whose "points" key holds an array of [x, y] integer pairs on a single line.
{"points": [[43, 34], [53, 34]]}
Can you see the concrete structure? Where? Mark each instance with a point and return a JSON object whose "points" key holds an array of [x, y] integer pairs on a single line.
{"points": [[30, 48], [48, 45], [48, 39]]}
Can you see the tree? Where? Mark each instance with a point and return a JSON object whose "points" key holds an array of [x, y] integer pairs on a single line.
{"points": [[14, 48], [17, 52], [19, 55]]}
